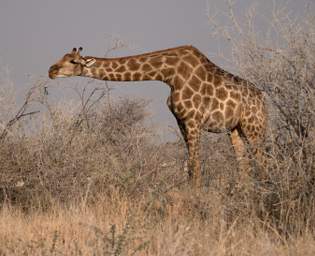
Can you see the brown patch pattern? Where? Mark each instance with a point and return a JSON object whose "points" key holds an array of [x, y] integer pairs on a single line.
{"points": [[188, 104], [127, 76], [221, 93], [171, 61], [187, 93], [184, 70], [196, 100], [201, 73], [133, 65], [136, 76], [190, 59], [217, 80], [121, 69], [195, 83], [146, 67]]}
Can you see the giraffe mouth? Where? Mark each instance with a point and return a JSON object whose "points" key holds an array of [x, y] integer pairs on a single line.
{"points": [[54, 74], [59, 76]]}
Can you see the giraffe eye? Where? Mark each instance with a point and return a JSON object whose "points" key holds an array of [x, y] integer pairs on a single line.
{"points": [[72, 62]]}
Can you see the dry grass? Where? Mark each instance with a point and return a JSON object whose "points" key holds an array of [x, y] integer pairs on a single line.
{"points": [[86, 178], [118, 226]]}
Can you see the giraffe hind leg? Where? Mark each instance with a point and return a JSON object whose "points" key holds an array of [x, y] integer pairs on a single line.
{"points": [[254, 139], [239, 146], [247, 142]]}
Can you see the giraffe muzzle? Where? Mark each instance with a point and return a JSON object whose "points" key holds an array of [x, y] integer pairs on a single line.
{"points": [[52, 72]]}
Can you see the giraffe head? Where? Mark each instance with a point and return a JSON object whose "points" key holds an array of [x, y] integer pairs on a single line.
{"points": [[71, 64]]}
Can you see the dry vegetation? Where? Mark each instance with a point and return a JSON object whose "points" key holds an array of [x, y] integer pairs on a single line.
{"points": [[88, 179]]}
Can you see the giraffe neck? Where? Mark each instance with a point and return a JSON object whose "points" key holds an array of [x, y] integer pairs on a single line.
{"points": [[130, 69], [161, 66]]}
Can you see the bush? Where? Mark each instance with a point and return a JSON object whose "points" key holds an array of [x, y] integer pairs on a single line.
{"points": [[281, 62], [77, 152]]}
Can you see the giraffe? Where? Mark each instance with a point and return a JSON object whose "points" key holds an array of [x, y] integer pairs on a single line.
{"points": [[202, 95]]}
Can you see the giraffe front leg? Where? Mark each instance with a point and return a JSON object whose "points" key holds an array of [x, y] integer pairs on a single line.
{"points": [[194, 168], [182, 129], [191, 136]]}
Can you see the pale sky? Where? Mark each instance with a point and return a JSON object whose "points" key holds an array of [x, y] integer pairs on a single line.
{"points": [[36, 33]]}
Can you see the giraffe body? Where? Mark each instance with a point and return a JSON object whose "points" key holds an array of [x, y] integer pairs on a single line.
{"points": [[203, 96]]}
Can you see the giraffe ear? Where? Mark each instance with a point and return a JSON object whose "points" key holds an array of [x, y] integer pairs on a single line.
{"points": [[90, 62]]}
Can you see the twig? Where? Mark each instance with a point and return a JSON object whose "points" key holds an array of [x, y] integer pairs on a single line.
{"points": [[20, 114]]}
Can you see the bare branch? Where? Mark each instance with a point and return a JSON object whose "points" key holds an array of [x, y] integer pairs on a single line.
{"points": [[21, 113]]}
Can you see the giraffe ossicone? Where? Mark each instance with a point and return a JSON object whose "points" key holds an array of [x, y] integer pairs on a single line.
{"points": [[203, 96]]}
